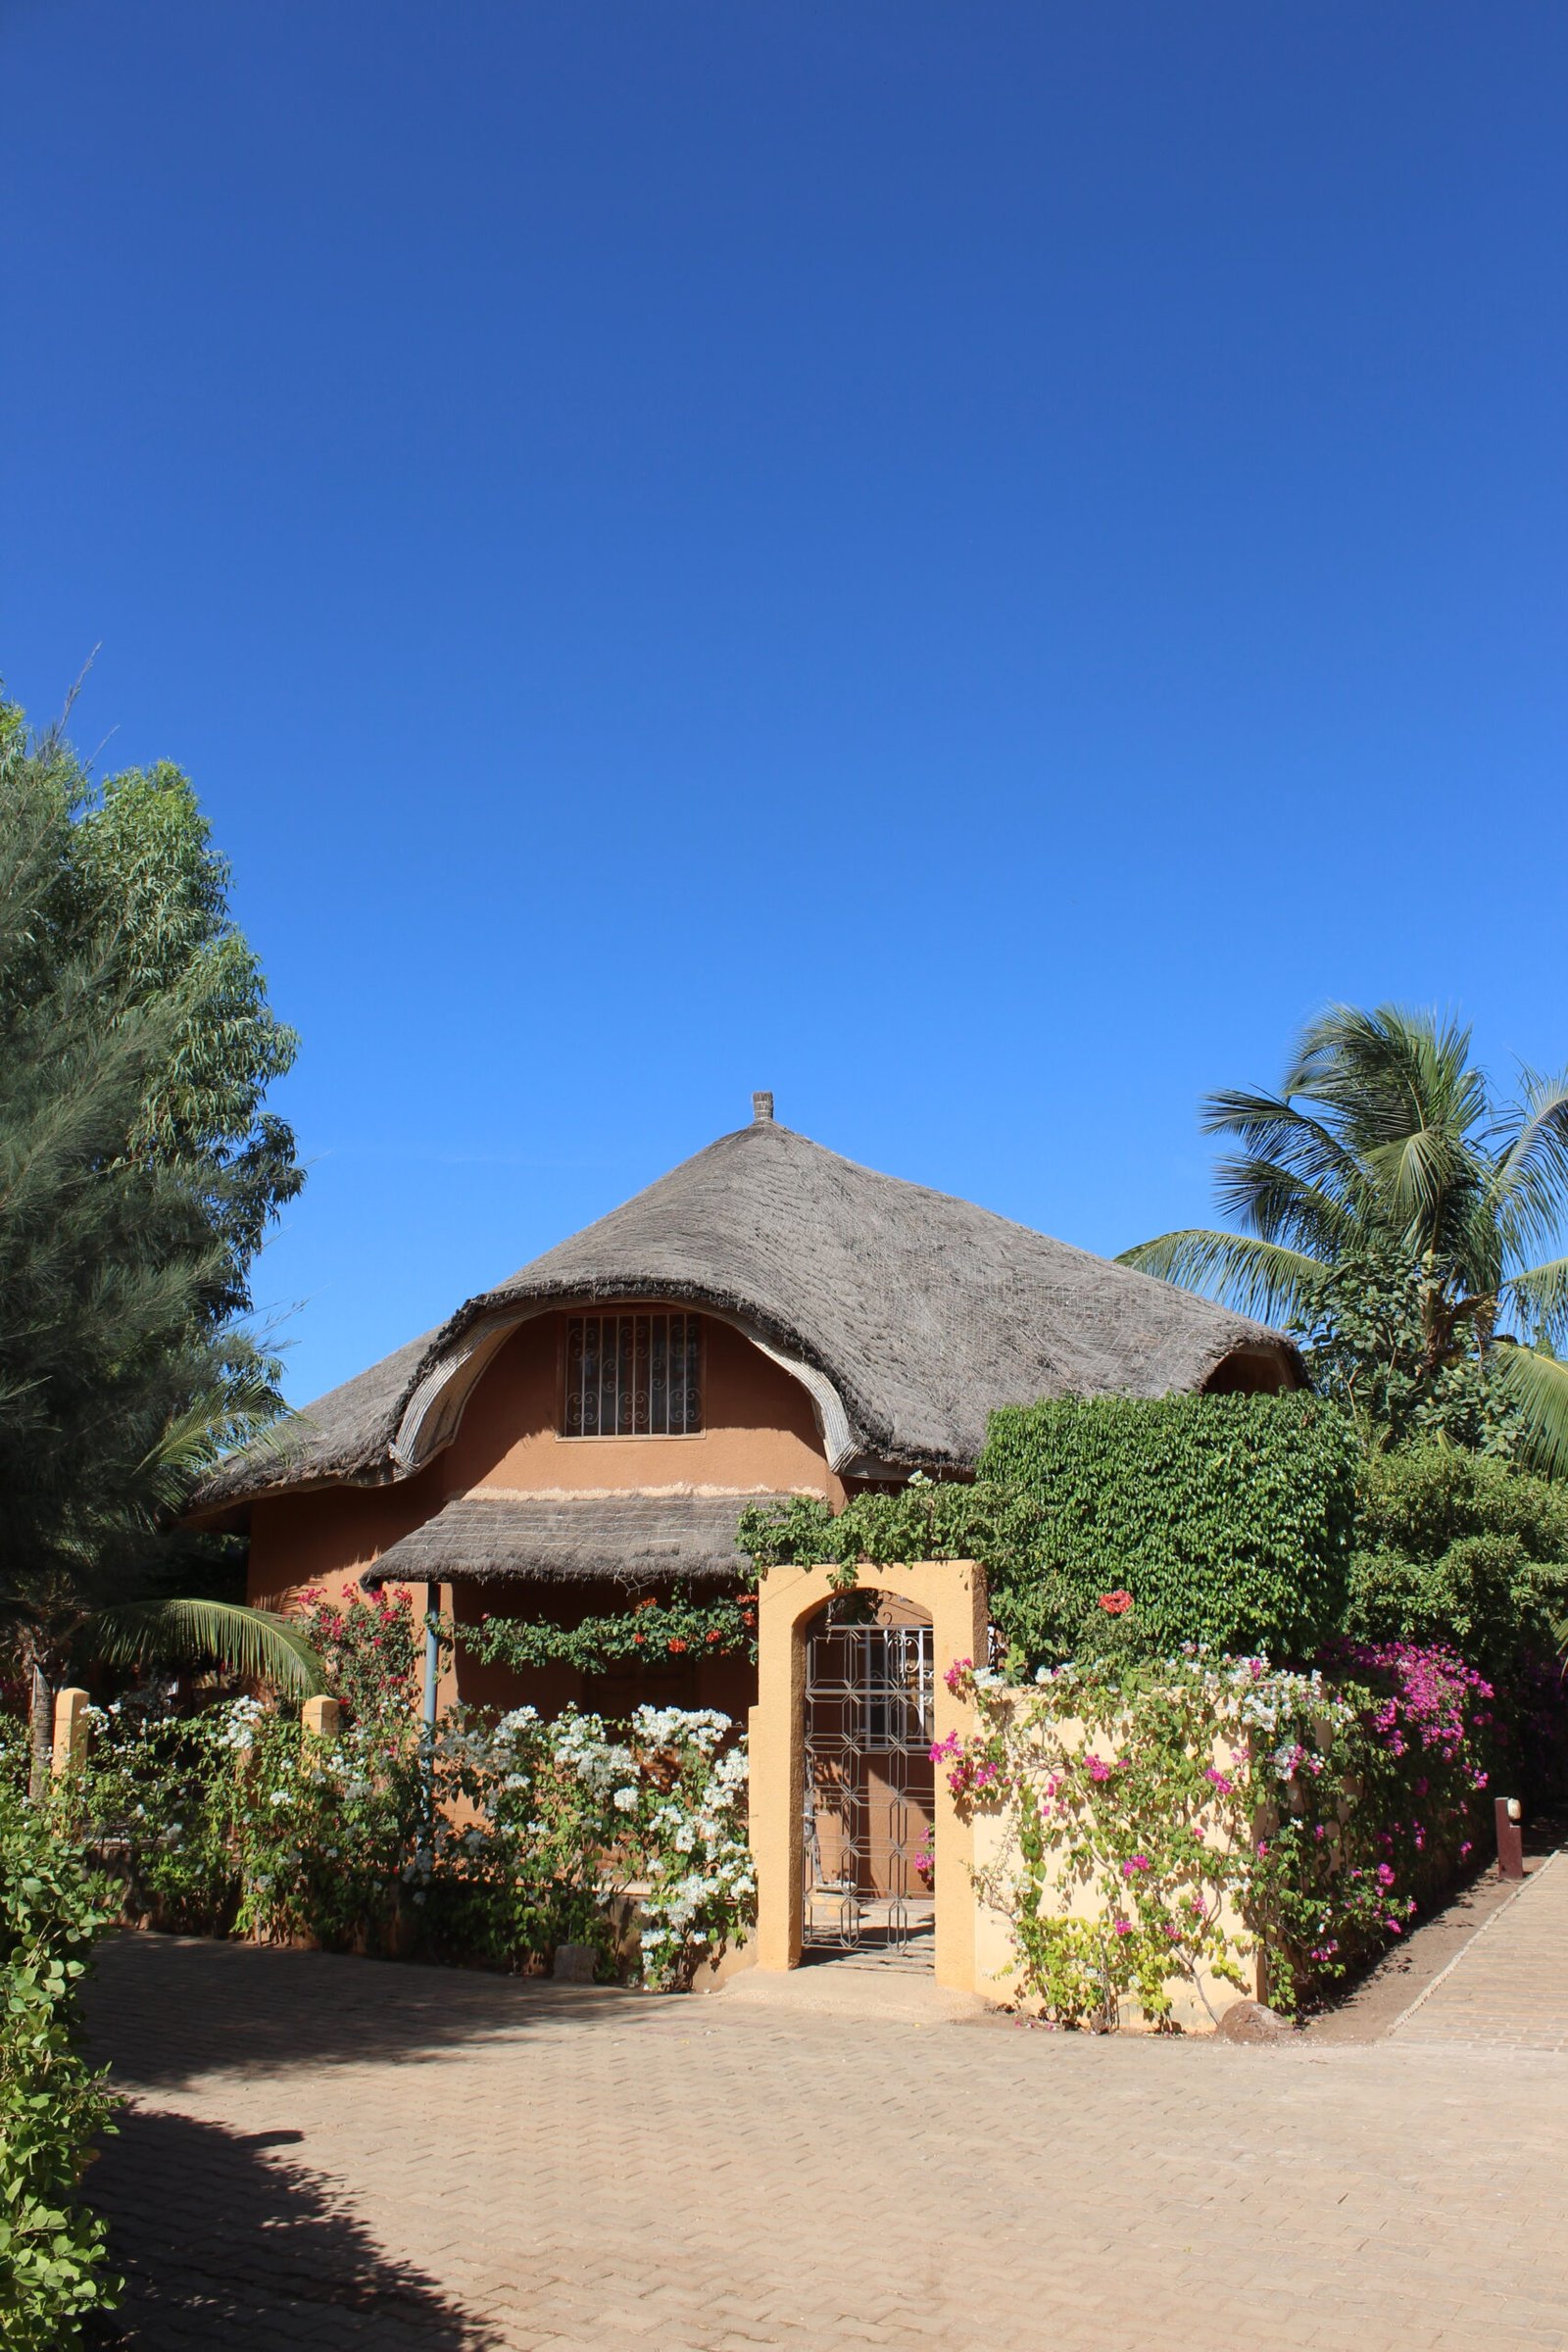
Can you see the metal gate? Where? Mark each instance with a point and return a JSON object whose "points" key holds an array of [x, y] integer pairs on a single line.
{"points": [[869, 1788]]}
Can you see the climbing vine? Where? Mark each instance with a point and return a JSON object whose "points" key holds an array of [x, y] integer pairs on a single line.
{"points": [[1165, 1822], [650, 1631]]}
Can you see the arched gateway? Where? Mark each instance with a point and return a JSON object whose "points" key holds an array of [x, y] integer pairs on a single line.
{"points": [[947, 1595]]}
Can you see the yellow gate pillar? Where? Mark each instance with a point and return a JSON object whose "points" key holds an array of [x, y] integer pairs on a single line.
{"points": [[952, 1594], [70, 1751]]}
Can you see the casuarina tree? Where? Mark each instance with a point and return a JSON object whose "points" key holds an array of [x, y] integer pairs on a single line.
{"points": [[138, 1173]]}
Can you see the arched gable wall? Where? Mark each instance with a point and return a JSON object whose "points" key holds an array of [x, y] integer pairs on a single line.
{"points": [[760, 1435]]}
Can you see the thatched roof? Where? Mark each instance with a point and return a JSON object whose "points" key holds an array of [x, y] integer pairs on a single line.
{"points": [[909, 1315], [631, 1539]]}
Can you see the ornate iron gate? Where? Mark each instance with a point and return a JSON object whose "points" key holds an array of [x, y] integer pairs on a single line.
{"points": [[869, 1788]]}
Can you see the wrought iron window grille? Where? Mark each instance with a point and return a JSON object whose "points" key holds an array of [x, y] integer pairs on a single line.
{"points": [[633, 1376]]}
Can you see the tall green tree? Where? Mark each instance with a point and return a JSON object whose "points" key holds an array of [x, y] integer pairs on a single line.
{"points": [[1408, 1222], [137, 1174]]}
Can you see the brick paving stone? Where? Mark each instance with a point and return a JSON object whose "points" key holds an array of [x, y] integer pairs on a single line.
{"points": [[324, 2152], [1508, 1987]]}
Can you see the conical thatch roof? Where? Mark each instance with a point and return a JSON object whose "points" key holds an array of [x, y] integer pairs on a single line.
{"points": [[910, 1314]]}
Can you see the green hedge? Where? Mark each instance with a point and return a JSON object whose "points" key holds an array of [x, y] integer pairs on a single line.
{"points": [[1227, 1518], [51, 2105]]}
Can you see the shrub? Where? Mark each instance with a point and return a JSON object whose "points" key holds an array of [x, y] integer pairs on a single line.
{"points": [[369, 1649], [51, 2105], [546, 1827], [1460, 1548], [1185, 1794], [491, 1846], [926, 1520], [1227, 1518]]}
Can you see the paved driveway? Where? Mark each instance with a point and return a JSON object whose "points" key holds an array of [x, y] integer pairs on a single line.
{"points": [[324, 2152]]}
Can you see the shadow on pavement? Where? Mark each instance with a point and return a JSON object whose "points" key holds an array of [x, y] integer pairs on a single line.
{"points": [[223, 2240], [164, 2010]]}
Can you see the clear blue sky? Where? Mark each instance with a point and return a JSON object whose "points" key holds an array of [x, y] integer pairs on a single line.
{"points": [[972, 565]]}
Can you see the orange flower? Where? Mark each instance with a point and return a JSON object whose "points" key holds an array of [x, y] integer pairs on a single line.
{"points": [[676, 1643]]}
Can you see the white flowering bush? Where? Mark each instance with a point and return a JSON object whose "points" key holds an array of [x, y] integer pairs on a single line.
{"points": [[686, 1808], [548, 1830], [488, 1842]]}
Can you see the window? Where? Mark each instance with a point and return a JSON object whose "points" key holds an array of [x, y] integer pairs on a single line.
{"points": [[633, 1376]]}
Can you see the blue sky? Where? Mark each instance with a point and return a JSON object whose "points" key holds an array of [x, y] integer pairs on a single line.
{"points": [[972, 566]]}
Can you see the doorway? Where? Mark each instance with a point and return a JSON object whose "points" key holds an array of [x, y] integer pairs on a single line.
{"points": [[870, 1824]]}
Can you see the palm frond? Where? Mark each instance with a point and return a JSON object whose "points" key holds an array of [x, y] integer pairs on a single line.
{"points": [[1538, 1385], [234, 1413], [1528, 1189], [1281, 1206], [251, 1643], [1275, 1129], [1540, 1295], [1388, 1074], [1427, 1181], [1255, 1277]]}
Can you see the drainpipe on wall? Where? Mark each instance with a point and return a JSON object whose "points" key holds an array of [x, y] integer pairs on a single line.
{"points": [[432, 1654], [425, 1852]]}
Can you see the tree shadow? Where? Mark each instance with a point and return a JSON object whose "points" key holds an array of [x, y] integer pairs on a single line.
{"points": [[222, 2241], [166, 2009]]}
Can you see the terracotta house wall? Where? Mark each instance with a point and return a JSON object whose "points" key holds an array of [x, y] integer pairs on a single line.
{"points": [[326, 1535], [758, 1430], [759, 1434]]}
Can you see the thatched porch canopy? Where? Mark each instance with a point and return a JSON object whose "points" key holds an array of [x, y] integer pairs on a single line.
{"points": [[628, 1538]]}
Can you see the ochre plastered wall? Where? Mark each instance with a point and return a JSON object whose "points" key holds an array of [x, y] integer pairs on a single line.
{"points": [[758, 1430], [759, 1434], [326, 1535]]}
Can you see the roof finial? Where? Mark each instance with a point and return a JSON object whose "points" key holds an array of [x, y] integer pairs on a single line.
{"points": [[761, 1111]]}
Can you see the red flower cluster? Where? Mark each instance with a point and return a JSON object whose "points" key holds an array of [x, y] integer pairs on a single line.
{"points": [[1118, 1604]]}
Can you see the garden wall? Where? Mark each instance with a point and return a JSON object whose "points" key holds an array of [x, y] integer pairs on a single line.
{"points": [[1198, 1998]]}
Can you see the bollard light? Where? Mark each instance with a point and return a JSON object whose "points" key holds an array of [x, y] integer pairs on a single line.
{"points": [[1510, 1837]]}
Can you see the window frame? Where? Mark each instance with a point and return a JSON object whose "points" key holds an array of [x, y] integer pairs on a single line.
{"points": [[622, 1311]]}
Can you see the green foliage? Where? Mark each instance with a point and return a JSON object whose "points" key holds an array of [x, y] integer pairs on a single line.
{"points": [[1227, 1518], [1369, 1351], [649, 1632], [238, 1821], [52, 2276], [137, 1174], [144, 880], [1395, 1213], [926, 1520], [252, 1645], [1453, 1547]]}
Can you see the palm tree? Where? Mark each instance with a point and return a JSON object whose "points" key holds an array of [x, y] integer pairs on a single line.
{"points": [[1385, 1149], [96, 1590]]}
